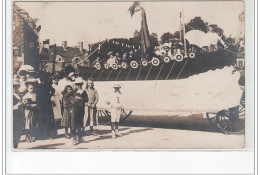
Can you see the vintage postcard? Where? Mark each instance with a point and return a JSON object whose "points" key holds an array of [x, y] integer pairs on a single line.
{"points": [[128, 75]]}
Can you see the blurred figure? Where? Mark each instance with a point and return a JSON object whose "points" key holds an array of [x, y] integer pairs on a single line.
{"points": [[67, 104], [111, 60], [115, 103], [56, 100], [30, 110], [91, 105], [78, 109], [18, 113]]}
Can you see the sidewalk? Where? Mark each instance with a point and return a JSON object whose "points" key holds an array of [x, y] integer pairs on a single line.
{"points": [[141, 138]]}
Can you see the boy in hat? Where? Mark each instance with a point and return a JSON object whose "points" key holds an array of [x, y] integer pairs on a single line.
{"points": [[18, 114], [115, 103], [78, 109]]}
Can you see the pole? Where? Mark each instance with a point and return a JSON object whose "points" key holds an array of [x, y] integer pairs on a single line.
{"points": [[180, 26], [184, 40], [54, 59]]}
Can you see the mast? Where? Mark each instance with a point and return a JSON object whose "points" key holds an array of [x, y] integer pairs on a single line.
{"points": [[180, 26], [184, 40]]}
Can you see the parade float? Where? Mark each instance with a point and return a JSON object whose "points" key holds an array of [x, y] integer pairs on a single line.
{"points": [[193, 75]]}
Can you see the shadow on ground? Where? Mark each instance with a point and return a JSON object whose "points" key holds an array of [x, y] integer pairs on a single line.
{"points": [[192, 122]]}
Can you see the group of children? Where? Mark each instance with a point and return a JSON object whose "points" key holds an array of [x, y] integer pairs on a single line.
{"points": [[74, 104]]}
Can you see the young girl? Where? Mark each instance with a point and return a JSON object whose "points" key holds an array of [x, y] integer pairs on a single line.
{"points": [[67, 104], [30, 111]]}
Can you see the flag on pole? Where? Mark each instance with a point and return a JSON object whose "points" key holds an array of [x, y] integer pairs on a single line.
{"points": [[145, 36], [134, 8]]}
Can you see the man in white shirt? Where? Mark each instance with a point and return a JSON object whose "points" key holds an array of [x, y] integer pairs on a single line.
{"points": [[115, 103], [111, 60]]}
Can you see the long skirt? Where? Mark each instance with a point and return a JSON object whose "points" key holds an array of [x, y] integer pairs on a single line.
{"points": [[57, 108], [66, 118], [77, 117], [31, 118]]}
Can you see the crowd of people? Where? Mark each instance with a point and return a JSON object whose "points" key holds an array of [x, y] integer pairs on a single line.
{"points": [[40, 99]]}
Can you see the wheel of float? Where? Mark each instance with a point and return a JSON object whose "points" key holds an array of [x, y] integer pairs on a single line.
{"points": [[166, 59], [98, 66], [114, 66], [134, 64], [124, 65], [192, 54], [144, 63], [155, 61], [106, 66], [231, 121], [179, 57]]}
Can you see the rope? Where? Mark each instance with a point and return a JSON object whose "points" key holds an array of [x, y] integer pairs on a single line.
{"points": [[148, 72], [109, 74], [128, 73], [92, 52], [159, 71], [118, 74], [170, 71], [100, 74], [139, 73], [93, 73], [182, 69]]}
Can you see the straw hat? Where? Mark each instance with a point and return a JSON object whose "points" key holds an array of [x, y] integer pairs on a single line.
{"points": [[117, 86], [16, 82], [109, 53], [79, 80], [168, 45], [31, 81], [71, 74], [25, 69]]}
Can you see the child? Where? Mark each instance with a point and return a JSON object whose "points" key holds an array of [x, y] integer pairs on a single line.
{"points": [[30, 111], [90, 107], [80, 97], [115, 103], [67, 104]]}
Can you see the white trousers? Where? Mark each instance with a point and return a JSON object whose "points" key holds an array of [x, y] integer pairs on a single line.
{"points": [[115, 114]]}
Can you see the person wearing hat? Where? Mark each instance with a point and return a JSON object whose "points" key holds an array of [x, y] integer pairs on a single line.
{"points": [[30, 110], [18, 114], [115, 102], [78, 109], [112, 59]]}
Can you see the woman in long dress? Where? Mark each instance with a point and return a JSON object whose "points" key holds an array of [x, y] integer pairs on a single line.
{"points": [[56, 100]]}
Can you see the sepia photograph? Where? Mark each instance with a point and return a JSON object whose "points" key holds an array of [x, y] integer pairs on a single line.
{"points": [[128, 75]]}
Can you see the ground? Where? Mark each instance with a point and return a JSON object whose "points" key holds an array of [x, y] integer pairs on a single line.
{"points": [[148, 132]]}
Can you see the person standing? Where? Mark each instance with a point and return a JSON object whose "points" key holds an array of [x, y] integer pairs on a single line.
{"points": [[56, 99], [91, 105], [116, 106], [18, 113], [78, 109], [30, 110], [47, 128], [67, 104]]}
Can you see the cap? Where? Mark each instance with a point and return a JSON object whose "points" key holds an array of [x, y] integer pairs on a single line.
{"points": [[109, 53], [79, 80], [117, 86]]}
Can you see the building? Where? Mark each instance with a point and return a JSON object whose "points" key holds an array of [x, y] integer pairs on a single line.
{"points": [[25, 38], [65, 56]]}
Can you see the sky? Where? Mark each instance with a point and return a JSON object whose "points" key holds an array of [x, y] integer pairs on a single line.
{"points": [[90, 22]]}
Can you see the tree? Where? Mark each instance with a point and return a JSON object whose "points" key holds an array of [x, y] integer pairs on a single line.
{"points": [[196, 24], [154, 40], [166, 37]]}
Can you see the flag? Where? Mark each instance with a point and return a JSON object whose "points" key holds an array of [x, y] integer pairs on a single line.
{"points": [[133, 8], [145, 36]]}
